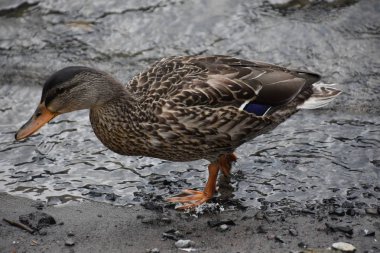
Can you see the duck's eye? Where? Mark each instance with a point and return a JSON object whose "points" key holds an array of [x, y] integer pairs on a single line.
{"points": [[38, 114]]}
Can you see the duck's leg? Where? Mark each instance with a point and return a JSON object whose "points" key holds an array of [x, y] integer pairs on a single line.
{"points": [[195, 198], [225, 163]]}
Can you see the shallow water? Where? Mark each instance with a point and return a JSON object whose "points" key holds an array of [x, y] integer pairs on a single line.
{"points": [[316, 155]]}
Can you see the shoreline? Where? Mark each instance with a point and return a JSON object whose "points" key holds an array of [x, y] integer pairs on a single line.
{"points": [[99, 227]]}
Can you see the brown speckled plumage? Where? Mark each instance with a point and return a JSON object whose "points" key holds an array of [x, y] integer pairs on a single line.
{"points": [[187, 108]]}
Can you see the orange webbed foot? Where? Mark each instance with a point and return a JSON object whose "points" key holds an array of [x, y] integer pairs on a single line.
{"points": [[190, 199]]}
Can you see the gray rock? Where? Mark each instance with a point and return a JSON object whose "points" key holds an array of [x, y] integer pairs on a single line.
{"points": [[154, 250], [69, 242], [223, 227], [37, 220], [372, 211], [184, 244], [343, 246], [293, 232]]}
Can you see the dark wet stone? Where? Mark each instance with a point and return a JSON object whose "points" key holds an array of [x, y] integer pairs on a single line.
{"points": [[302, 245], [244, 218], [37, 220], [338, 211], [39, 205], [100, 216], [279, 239], [345, 229], [351, 212], [70, 242], [348, 204], [219, 222], [111, 196], [367, 232], [293, 232], [172, 234], [261, 229], [42, 232], [153, 206], [260, 215]]}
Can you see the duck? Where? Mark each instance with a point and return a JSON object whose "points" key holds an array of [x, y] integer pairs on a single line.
{"points": [[183, 108]]}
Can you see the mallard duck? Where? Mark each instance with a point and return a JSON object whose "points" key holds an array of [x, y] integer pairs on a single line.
{"points": [[182, 108]]}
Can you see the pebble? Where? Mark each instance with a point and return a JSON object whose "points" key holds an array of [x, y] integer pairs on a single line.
{"points": [[339, 211], [293, 232], [69, 242], [155, 250], [371, 211], [343, 246], [223, 227], [216, 223], [367, 232], [261, 229], [42, 232], [184, 243], [70, 233]]}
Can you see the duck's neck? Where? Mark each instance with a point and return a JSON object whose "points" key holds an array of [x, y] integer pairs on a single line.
{"points": [[115, 121]]}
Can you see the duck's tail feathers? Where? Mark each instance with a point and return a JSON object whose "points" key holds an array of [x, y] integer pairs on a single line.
{"points": [[322, 95]]}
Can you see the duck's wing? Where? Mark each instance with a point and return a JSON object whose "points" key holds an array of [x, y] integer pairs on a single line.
{"points": [[217, 81]]}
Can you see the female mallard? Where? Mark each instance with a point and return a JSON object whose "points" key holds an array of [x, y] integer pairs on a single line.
{"points": [[182, 108]]}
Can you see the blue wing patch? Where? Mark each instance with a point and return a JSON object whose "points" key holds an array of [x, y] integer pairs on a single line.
{"points": [[258, 109]]}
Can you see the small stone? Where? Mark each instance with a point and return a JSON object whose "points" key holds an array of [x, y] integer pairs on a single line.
{"points": [[223, 227], [220, 222], [367, 232], [42, 232], [100, 216], [302, 245], [351, 212], [61, 223], [69, 242], [184, 243], [260, 215], [37, 220], [293, 232], [339, 211], [166, 220], [261, 229], [70, 233], [278, 239], [155, 250], [372, 211], [140, 217], [343, 246]]}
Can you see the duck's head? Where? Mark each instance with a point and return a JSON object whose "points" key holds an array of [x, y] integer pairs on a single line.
{"points": [[70, 89]]}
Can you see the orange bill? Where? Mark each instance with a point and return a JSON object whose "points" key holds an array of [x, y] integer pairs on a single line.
{"points": [[40, 117]]}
